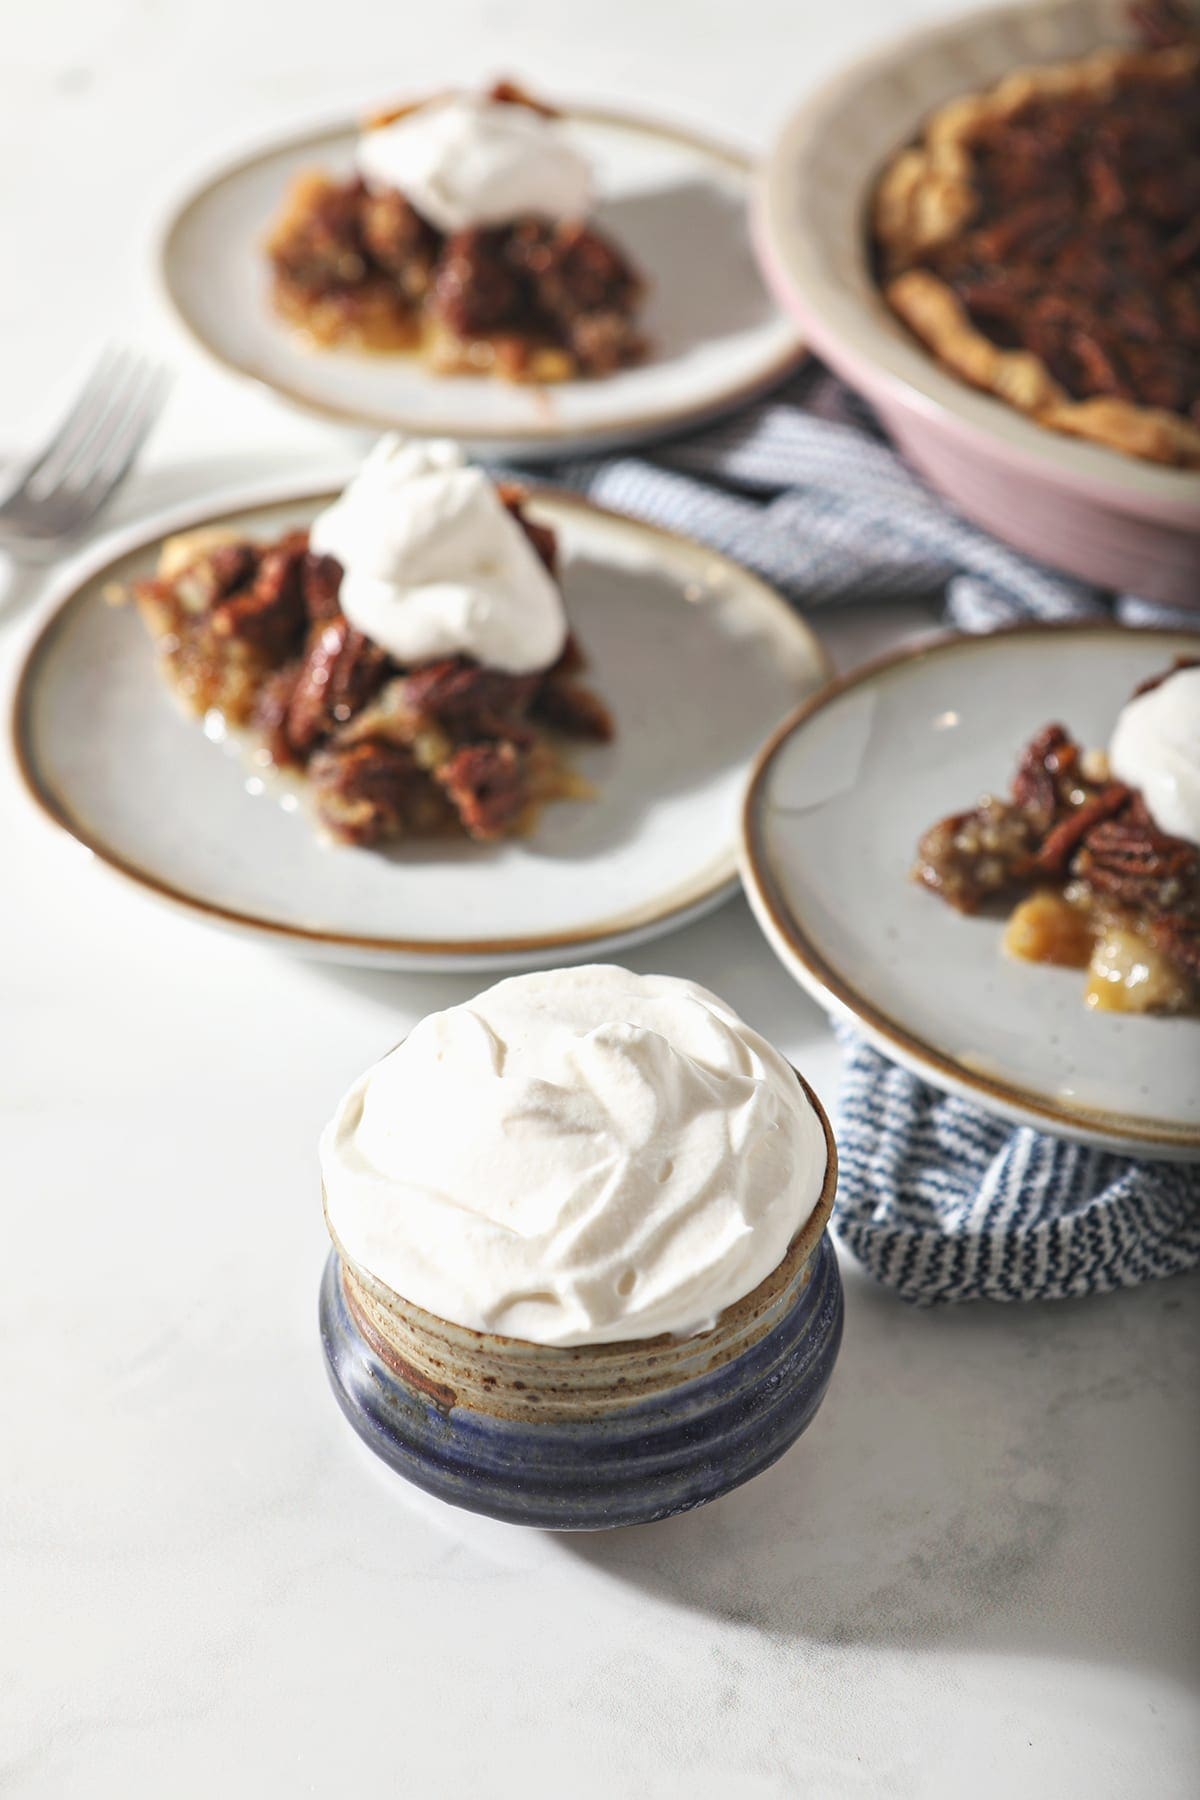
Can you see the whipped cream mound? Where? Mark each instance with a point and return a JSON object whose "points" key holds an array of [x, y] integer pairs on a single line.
{"points": [[434, 564], [1156, 747], [580, 1157], [466, 160]]}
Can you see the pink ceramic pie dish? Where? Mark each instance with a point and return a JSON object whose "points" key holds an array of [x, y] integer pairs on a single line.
{"points": [[1109, 518]]}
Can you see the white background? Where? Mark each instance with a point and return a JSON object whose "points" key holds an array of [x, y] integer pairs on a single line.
{"points": [[977, 1572]]}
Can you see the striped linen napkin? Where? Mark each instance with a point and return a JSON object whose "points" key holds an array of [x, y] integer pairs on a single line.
{"points": [[938, 1199]]}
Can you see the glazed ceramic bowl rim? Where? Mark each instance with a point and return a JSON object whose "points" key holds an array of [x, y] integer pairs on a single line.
{"points": [[798, 1252], [845, 325]]}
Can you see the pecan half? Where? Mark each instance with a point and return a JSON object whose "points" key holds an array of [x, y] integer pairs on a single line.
{"points": [[1131, 860], [271, 712], [318, 243], [368, 793], [321, 580], [468, 701], [1038, 786], [341, 671], [200, 582], [474, 288], [269, 614], [486, 784], [1064, 838], [582, 286], [572, 269], [399, 240], [972, 857], [230, 567]]}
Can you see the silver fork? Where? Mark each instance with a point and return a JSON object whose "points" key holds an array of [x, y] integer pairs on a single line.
{"points": [[90, 454]]}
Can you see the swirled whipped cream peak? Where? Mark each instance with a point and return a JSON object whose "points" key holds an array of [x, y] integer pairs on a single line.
{"points": [[466, 160], [580, 1157], [1156, 747], [434, 564]]}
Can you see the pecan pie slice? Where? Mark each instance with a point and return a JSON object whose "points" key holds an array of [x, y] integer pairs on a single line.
{"points": [[254, 632], [1043, 240], [528, 298], [1098, 885]]}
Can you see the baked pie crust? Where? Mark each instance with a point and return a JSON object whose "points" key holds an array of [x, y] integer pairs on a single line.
{"points": [[930, 200]]}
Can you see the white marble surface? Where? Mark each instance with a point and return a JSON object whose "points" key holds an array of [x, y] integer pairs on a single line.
{"points": [[977, 1573]]}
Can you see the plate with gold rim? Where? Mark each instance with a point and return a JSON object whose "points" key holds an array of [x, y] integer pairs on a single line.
{"points": [[696, 658], [675, 201], [833, 812]]}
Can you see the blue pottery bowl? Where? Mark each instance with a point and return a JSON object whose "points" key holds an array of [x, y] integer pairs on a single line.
{"points": [[591, 1436]]}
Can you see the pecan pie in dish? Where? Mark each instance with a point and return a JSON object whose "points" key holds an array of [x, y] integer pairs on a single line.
{"points": [[1043, 240], [1102, 848], [408, 653], [463, 234]]}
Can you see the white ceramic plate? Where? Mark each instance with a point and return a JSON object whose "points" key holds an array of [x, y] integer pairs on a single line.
{"points": [[697, 658], [675, 202], [832, 817]]}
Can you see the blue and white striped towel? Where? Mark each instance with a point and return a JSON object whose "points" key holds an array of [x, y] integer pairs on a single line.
{"points": [[939, 1200]]}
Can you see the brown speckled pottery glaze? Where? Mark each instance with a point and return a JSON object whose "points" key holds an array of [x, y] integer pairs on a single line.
{"points": [[589, 1435]]}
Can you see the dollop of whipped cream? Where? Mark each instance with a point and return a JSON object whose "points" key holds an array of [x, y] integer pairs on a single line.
{"points": [[580, 1157], [434, 564], [1156, 747], [466, 160]]}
